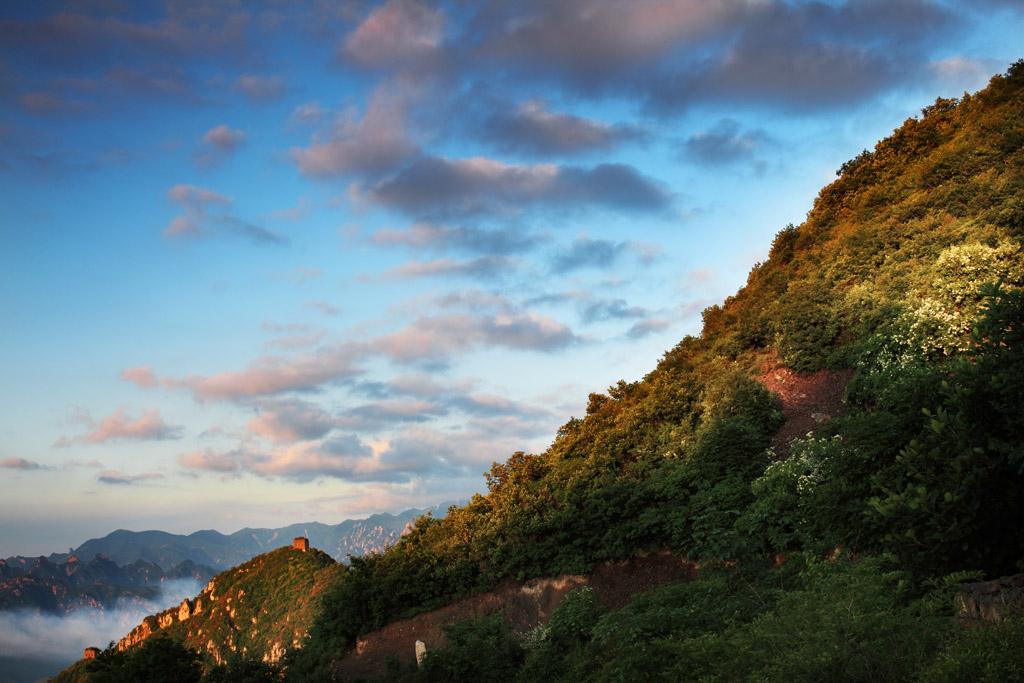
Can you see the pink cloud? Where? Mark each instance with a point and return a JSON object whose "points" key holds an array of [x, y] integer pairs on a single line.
{"points": [[273, 374], [649, 326], [698, 279], [216, 145], [70, 38], [164, 80], [180, 226], [223, 138], [418, 453], [374, 143], [210, 461], [606, 34], [385, 414], [70, 464], [195, 198], [428, 338], [20, 464], [143, 376], [121, 426], [206, 213], [294, 214], [423, 385], [398, 33], [438, 186], [289, 421], [342, 457], [442, 335], [534, 128], [308, 114]]}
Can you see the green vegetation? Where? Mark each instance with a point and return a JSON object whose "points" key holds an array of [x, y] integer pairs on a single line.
{"points": [[262, 606], [880, 514], [165, 660], [891, 275], [157, 660]]}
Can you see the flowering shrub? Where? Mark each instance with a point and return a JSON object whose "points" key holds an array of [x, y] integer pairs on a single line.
{"points": [[941, 322]]}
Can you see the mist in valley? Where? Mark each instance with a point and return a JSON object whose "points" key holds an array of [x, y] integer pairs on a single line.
{"points": [[36, 646]]}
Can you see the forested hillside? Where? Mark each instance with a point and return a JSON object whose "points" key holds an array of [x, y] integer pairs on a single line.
{"points": [[835, 557]]}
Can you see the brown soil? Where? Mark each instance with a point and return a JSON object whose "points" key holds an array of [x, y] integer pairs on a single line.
{"points": [[522, 605], [806, 401]]}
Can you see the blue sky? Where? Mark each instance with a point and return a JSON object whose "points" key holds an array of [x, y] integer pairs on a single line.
{"points": [[272, 262]]}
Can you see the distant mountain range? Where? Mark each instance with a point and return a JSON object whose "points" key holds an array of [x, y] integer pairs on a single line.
{"points": [[132, 565], [223, 551]]}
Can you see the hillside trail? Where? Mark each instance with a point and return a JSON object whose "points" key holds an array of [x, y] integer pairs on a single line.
{"points": [[807, 401], [522, 606]]}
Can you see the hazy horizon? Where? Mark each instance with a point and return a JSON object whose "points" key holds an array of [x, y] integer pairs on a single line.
{"points": [[63, 532]]}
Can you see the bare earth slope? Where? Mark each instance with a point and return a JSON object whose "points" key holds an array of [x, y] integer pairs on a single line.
{"points": [[806, 401], [523, 606]]}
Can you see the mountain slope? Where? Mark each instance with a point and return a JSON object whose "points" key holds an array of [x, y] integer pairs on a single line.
{"points": [[259, 608], [885, 280], [814, 557]]}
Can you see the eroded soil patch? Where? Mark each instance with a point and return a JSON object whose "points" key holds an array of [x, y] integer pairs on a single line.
{"points": [[522, 605], [807, 401]]}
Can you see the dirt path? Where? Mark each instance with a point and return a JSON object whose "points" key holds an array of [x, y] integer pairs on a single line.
{"points": [[806, 401], [523, 606]]}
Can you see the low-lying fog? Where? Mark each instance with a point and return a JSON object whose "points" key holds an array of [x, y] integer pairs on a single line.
{"points": [[35, 646]]}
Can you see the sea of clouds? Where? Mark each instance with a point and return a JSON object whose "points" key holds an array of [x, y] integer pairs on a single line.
{"points": [[35, 646]]}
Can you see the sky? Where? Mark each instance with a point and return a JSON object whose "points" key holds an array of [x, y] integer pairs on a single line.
{"points": [[273, 262]]}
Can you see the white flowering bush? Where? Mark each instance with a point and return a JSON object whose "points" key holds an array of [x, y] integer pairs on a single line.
{"points": [[940, 323], [534, 639], [895, 372], [813, 500], [963, 268]]}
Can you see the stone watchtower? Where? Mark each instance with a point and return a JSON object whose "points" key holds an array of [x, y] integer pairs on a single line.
{"points": [[301, 543], [91, 652]]}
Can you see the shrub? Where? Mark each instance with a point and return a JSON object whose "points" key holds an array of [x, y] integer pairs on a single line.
{"points": [[954, 497], [734, 393], [243, 670], [155, 660], [893, 373], [477, 649], [726, 447], [991, 653], [805, 325]]}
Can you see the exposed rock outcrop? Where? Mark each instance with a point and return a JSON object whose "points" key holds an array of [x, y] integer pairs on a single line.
{"points": [[990, 600]]}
